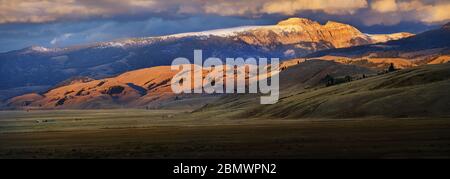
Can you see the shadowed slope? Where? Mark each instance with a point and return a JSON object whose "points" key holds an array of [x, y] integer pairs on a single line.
{"points": [[297, 79], [419, 91]]}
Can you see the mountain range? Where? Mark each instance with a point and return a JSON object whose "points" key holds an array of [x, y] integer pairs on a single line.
{"points": [[303, 76], [38, 69]]}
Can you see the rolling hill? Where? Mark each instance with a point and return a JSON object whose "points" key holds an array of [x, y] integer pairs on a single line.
{"points": [[131, 88], [150, 87], [414, 92]]}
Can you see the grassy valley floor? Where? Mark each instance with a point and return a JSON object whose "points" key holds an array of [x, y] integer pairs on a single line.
{"points": [[138, 133]]}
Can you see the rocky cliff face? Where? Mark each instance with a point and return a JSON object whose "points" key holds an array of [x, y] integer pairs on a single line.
{"points": [[310, 35], [421, 49]]}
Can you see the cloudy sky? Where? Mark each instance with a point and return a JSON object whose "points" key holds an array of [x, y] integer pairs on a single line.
{"points": [[56, 23]]}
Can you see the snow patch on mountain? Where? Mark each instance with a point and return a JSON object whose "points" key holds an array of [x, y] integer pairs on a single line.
{"points": [[228, 32], [377, 38]]}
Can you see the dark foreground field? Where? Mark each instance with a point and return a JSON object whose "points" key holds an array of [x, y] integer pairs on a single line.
{"points": [[160, 135]]}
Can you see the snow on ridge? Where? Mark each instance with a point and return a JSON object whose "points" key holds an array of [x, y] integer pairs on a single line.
{"points": [[40, 49], [227, 32]]}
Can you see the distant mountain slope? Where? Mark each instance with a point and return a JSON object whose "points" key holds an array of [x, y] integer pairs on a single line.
{"points": [[438, 39], [431, 47], [414, 92], [38, 66]]}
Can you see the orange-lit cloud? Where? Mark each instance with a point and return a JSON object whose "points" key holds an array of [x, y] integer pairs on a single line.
{"points": [[37, 11], [394, 11], [384, 5], [291, 7], [431, 13], [376, 11]]}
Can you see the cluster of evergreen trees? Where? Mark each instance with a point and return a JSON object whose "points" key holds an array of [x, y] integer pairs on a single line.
{"points": [[330, 80]]}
